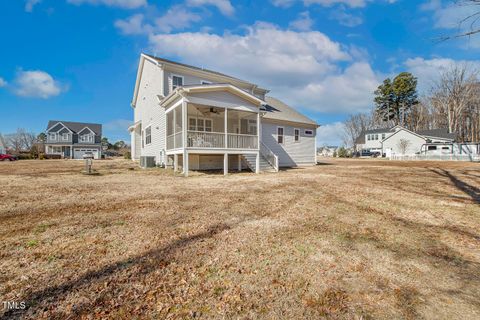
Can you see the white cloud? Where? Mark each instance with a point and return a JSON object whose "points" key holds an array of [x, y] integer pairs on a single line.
{"points": [[303, 23], [330, 134], [36, 84], [350, 91], [30, 4], [283, 3], [429, 70], [224, 6], [301, 68], [133, 25], [175, 18], [3, 83], [328, 3], [346, 19], [127, 4]]}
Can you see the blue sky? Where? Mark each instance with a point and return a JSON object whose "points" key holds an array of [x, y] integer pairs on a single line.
{"points": [[76, 59]]}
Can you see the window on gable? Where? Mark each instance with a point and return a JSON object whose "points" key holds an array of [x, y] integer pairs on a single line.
{"points": [[148, 135], [53, 136], [177, 81], [65, 137], [86, 138], [280, 135], [308, 132], [296, 133]]}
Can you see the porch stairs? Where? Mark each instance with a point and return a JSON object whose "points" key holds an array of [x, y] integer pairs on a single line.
{"points": [[265, 166]]}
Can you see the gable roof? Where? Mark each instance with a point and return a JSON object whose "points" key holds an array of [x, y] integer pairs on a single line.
{"points": [[76, 127], [438, 133], [211, 87], [278, 110], [167, 61]]}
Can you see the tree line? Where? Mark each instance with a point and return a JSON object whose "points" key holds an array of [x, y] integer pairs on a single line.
{"points": [[453, 102]]}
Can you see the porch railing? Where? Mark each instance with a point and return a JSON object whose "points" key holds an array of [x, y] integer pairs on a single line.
{"points": [[174, 141], [200, 139], [268, 154], [242, 141]]}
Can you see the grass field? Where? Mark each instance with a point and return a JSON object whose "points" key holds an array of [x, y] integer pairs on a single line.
{"points": [[351, 239]]}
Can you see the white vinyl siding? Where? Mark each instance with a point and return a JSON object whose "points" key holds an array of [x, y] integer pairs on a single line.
{"points": [[393, 143], [290, 153], [189, 79], [150, 113]]}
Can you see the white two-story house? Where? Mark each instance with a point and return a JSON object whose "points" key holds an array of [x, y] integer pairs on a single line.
{"points": [[197, 119]]}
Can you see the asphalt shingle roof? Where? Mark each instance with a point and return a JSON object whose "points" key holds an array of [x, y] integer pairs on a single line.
{"points": [[277, 110], [78, 126], [437, 133]]}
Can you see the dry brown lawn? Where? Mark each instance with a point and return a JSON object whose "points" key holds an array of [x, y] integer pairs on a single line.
{"points": [[352, 239]]}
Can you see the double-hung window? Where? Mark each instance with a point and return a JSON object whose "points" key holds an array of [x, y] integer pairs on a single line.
{"points": [[65, 136], [177, 81], [280, 135], [200, 124], [148, 135], [52, 136], [296, 135]]}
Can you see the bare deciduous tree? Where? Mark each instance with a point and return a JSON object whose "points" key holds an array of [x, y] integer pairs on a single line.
{"points": [[354, 126], [403, 145], [21, 140], [454, 95]]}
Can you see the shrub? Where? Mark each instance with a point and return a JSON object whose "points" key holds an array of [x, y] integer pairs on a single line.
{"points": [[342, 152], [127, 155]]}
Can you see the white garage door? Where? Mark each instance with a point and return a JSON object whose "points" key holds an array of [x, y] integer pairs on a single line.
{"points": [[79, 153]]}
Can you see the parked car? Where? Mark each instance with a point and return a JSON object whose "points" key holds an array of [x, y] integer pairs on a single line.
{"points": [[7, 157]]}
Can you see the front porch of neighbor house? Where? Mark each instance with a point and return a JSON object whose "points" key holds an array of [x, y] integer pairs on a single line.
{"points": [[65, 151], [198, 134]]}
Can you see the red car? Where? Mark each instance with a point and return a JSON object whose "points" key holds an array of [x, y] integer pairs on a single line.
{"points": [[5, 157]]}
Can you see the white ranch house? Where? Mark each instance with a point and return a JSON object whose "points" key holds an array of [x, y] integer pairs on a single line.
{"points": [[197, 119]]}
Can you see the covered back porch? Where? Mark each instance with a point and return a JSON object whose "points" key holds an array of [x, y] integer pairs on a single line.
{"points": [[216, 125]]}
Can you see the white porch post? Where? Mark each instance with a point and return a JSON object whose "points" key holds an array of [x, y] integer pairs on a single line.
{"points": [[257, 162], [175, 162], [71, 152], [185, 162], [226, 131], [225, 164], [258, 129], [239, 162], [184, 138], [132, 147], [174, 127]]}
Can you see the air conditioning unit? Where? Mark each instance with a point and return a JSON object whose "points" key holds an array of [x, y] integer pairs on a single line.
{"points": [[147, 162]]}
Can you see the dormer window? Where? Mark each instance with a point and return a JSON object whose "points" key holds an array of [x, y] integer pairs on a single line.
{"points": [[86, 138], [177, 81]]}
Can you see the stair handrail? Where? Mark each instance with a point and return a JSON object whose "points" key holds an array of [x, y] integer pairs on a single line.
{"points": [[269, 155]]}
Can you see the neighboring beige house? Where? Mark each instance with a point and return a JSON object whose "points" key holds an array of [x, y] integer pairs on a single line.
{"points": [[199, 119]]}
